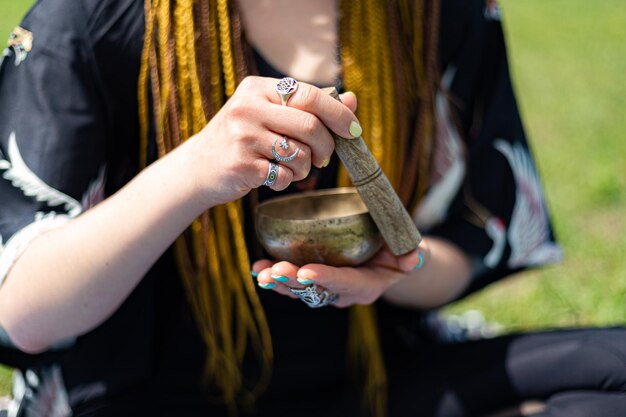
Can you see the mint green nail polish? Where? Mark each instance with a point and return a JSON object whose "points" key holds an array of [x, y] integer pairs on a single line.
{"points": [[280, 278], [254, 274], [305, 281], [355, 129], [267, 286]]}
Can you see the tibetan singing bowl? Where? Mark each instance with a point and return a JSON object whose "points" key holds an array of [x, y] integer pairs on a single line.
{"points": [[331, 226]]}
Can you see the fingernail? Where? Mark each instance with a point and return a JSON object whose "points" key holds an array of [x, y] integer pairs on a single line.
{"points": [[267, 286], [325, 163], [254, 274], [280, 278], [305, 281], [421, 262], [355, 129]]}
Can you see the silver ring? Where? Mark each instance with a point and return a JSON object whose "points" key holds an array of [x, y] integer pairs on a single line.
{"points": [[312, 298], [284, 145], [285, 88], [272, 174]]}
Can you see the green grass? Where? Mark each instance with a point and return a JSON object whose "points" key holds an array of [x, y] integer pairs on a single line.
{"points": [[568, 60], [11, 12]]}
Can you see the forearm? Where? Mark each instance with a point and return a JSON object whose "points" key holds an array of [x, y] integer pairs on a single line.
{"points": [[442, 278], [72, 278]]}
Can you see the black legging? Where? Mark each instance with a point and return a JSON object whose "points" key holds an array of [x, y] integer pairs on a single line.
{"points": [[576, 373]]}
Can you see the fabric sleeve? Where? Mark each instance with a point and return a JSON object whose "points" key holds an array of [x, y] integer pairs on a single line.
{"points": [[485, 195], [52, 127]]}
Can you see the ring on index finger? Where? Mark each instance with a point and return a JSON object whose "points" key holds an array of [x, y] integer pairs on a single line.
{"points": [[285, 88]]}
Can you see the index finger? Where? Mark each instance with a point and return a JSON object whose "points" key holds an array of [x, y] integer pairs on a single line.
{"points": [[332, 112]]}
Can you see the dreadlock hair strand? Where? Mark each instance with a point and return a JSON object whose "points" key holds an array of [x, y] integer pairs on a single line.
{"points": [[187, 90]]}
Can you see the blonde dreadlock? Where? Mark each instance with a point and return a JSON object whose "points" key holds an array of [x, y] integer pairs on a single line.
{"points": [[384, 44], [187, 90]]}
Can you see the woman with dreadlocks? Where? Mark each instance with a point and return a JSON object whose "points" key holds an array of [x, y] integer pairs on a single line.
{"points": [[136, 138]]}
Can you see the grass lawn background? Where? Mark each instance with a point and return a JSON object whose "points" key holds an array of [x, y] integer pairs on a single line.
{"points": [[568, 62]]}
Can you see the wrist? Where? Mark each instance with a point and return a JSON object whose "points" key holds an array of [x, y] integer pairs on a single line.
{"points": [[178, 179]]}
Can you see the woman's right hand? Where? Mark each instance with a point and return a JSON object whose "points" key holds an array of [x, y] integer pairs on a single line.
{"points": [[231, 155]]}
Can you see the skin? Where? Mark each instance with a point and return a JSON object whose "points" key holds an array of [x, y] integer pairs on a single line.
{"points": [[309, 53], [71, 279]]}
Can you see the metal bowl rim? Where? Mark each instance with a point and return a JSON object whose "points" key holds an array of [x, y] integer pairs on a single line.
{"points": [[313, 193]]}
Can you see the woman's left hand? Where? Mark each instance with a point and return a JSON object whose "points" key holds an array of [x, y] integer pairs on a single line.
{"points": [[352, 285]]}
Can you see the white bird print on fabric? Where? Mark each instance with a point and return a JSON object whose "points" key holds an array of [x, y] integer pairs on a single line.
{"points": [[496, 230], [528, 233], [46, 392], [448, 170], [23, 178], [95, 191]]}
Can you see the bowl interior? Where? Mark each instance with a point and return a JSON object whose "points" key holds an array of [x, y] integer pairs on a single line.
{"points": [[326, 226]]}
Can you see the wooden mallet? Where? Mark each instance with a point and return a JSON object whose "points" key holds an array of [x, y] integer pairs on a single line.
{"points": [[384, 205]]}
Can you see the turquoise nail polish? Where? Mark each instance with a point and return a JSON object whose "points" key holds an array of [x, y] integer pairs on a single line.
{"points": [[267, 286], [254, 274], [355, 129], [421, 263], [305, 281], [280, 278]]}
